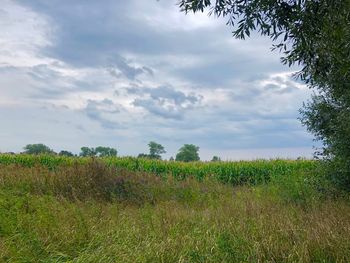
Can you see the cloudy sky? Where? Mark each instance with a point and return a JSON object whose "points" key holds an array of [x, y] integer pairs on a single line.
{"points": [[122, 73]]}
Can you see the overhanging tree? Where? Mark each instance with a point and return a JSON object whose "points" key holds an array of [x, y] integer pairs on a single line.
{"points": [[314, 34]]}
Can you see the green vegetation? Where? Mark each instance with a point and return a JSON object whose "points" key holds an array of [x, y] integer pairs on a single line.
{"points": [[38, 148], [87, 152], [188, 153], [66, 153], [105, 151], [235, 173], [155, 151], [99, 151], [216, 159], [86, 210]]}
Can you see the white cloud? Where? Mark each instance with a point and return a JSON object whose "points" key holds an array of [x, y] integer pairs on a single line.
{"points": [[23, 34], [166, 17]]}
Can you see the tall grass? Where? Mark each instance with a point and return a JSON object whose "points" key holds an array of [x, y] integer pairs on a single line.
{"points": [[92, 212], [95, 180]]}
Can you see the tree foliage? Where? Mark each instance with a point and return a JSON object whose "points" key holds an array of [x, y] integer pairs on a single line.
{"points": [[38, 148], [216, 159], [105, 151], [87, 152], [143, 155], [188, 153], [66, 153], [155, 150], [99, 151], [314, 34]]}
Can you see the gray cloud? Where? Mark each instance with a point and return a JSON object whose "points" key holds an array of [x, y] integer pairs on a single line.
{"points": [[164, 101], [114, 28], [223, 94], [282, 86], [171, 112], [130, 72], [165, 92], [97, 110]]}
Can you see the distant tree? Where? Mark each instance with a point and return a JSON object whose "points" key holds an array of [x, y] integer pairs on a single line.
{"points": [[105, 151], [65, 153], [155, 150], [216, 159], [87, 152], [143, 155], [38, 148], [171, 159], [188, 153]]}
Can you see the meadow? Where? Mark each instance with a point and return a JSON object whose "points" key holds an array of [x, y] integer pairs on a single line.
{"points": [[59, 209]]}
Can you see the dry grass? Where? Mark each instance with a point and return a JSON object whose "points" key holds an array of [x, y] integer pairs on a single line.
{"points": [[96, 214]]}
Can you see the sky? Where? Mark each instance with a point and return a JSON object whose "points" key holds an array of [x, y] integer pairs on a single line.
{"points": [[123, 73]]}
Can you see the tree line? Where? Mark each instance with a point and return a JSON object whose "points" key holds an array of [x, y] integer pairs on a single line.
{"points": [[187, 153]]}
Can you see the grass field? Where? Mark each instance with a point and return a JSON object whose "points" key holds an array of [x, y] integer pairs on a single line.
{"points": [[92, 211]]}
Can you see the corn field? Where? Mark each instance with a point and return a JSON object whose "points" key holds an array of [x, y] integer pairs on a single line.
{"points": [[235, 173]]}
